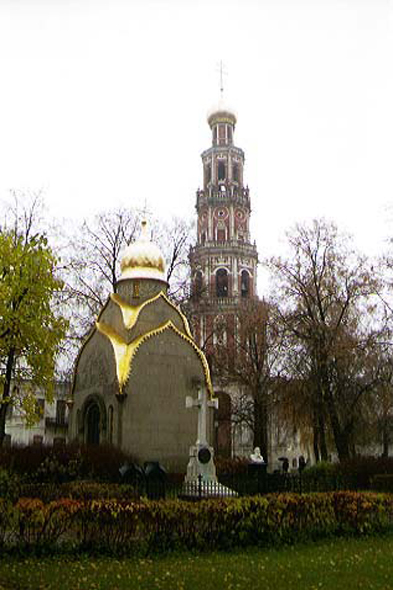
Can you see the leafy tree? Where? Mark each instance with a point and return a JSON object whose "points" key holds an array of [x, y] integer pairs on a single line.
{"points": [[376, 427], [326, 295], [30, 330]]}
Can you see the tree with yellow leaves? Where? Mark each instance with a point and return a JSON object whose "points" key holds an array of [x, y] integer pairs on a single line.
{"points": [[30, 330]]}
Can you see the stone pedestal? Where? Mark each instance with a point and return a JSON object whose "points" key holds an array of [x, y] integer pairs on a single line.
{"points": [[201, 463]]}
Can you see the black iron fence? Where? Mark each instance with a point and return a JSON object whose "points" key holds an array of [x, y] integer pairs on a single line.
{"points": [[261, 482], [156, 484]]}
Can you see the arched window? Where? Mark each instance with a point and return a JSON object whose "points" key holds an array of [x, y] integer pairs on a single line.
{"points": [[221, 170], [222, 283], [93, 424], [235, 172], [245, 284]]}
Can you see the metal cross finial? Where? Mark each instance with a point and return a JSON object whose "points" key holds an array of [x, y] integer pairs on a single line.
{"points": [[144, 215], [223, 73], [144, 212]]}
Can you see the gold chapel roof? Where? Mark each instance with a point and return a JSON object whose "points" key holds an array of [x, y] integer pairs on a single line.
{"points": [[143, 259], [125, 350]]}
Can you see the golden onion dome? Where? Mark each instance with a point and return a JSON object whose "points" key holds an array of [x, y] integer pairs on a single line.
{"points": [[221, 113], [143, 259]]}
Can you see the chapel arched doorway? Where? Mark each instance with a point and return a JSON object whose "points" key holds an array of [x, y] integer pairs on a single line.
{"points": [[92, 424]]}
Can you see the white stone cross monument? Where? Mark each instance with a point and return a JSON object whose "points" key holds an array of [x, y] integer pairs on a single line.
{"points": [[201, 454]]}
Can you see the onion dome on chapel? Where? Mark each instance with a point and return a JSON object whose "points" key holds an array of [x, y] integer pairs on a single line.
{"points": [[143, 259]]}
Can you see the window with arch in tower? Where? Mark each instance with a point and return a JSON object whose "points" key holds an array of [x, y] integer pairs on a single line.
{"points": [[222, 283], [235, 172], [245, 284], [221, 170]]}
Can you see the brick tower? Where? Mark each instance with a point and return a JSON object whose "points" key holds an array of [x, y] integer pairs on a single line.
{"points": [[223, 261]]}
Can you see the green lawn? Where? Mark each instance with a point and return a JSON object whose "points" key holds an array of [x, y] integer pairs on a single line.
{"points": [[347, 564]]}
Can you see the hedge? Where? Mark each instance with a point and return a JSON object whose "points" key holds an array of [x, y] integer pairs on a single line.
{"points": [[124, 527]]}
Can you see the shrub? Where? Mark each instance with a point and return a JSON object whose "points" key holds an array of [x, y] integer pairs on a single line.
{"points": [[362, 512], [235, 466], [9, 485], [22, 460], [322, 476], [46, 492], [78, 490], [41, 464], [58, 467], [120, 526], [37, 524], [6, 519], [103, 462], [382, 482], [220, 524], [357, 473], [323, 468]]}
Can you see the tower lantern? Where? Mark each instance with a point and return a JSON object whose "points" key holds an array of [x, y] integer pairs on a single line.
{"points": [[222, 122]]}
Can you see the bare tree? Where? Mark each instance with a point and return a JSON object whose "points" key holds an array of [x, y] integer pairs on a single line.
{"points": [[326, 292], [249, 356], [95, 260], [175, 238]]}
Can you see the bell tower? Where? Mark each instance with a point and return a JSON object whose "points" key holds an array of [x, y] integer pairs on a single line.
{"points": [[223, 261]]}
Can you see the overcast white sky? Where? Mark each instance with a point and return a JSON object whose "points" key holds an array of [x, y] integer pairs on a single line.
{"points": [[104, 103]]}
